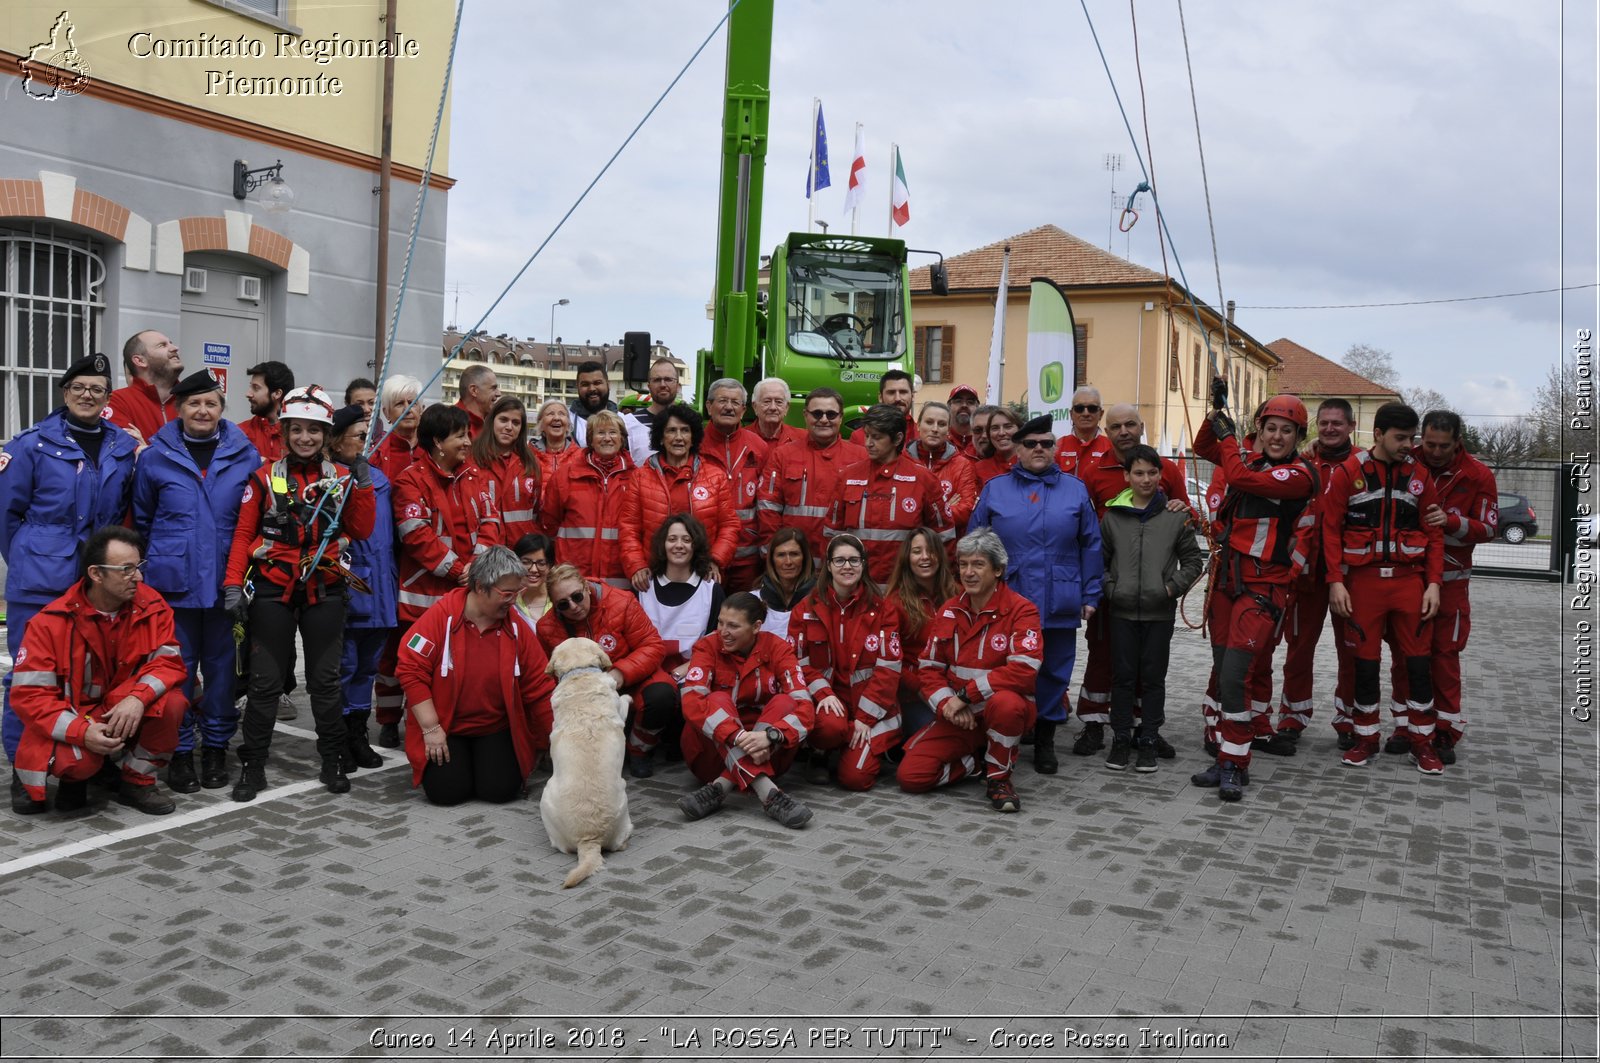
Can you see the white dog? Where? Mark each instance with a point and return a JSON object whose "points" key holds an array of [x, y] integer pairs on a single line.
{"points": [[585, 803]]}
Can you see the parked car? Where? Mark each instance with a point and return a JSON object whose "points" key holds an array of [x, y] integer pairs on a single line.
{"points": [[1518, 521]]}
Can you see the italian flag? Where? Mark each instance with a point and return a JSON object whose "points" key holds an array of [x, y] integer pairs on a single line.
{"points": [[418, 644], [900, 198]]}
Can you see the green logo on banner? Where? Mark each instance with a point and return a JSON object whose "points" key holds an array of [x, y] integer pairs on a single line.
{"points": [[1051, 378]]}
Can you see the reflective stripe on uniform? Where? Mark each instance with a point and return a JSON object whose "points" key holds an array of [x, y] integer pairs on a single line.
{"points": [[712, 721], [64, 720], [34, 679]]}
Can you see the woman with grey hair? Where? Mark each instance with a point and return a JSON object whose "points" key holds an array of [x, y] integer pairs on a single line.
{"points": [[978, 672], [402, 412], [475, 684]]}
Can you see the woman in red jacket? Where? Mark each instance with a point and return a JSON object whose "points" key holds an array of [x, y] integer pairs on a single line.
{"points": [[675, 480], [397, 448], [477, 688], [292, 516], [554, 446], [847, 640], [933, 450], [746, 710], [921, 582], [503, 455], [614, 619], [582, 502], [1002, 431]]}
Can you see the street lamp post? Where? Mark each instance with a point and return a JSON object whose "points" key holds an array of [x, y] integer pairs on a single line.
{"points": [[558, 302]]}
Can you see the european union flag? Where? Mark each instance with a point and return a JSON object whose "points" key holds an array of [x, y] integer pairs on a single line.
{"points": [[817, 177]]}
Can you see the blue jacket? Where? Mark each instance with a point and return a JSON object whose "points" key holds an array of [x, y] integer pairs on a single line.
{"points": [[52, 500], [373, 559], [188, 519], [1048, 524]]}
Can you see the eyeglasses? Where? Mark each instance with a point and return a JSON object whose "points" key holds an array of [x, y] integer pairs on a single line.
{"points": [[845, 562], [94, 391], [530, 564], [1085, 407], [124, 570], [823, 415], [1035, 444], [571, 601]]}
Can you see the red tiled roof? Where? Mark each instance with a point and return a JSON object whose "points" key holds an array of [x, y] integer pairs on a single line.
{"points": [[1046, 251], [1306, 372]]}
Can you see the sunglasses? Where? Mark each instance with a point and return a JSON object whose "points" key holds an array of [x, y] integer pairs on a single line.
{"points": [[823, 415], [570, 602], [1086, 407], [1035, 444]]}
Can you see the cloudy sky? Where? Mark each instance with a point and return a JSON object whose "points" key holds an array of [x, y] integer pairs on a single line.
{"points": [[1358, 151]]}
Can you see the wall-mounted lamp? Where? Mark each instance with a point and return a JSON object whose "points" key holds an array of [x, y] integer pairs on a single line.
{"points": [[279, 197]]}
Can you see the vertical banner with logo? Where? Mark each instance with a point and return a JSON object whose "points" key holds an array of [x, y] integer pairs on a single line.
{"points": [[1052, 354]]}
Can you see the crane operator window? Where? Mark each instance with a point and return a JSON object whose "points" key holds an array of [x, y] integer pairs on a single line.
{"points": [[845, 305]]}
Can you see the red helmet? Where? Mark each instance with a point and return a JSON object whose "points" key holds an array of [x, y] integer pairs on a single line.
{"points": [[1289, 407]]}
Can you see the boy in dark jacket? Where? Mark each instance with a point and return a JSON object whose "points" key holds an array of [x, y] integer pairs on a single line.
{"points": [[1151, 559]]}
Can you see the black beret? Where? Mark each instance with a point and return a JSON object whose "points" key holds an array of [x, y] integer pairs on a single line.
{"points": [[346, 417], [197, 383], [88, 365], [1043, 424]]}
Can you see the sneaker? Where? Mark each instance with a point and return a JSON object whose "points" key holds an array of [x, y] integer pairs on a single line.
{"points": [[1146, 761], [1090, 740], [639, 765], [72, 796], [1230, 784], [784, 809], [1399, 742], [1164, 749], [1347, 740], [702, 802], [147, 799], [389, 735], [1423, 755], [1360, 753], [1445, 746], [1003, 796], [1121, 747], [286, 709]]}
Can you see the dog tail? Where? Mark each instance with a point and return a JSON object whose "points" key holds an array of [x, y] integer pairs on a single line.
{"points": [[589, 862]]}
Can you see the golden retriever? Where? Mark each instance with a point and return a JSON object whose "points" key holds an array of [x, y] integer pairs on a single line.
{"points": [[585, 803]]}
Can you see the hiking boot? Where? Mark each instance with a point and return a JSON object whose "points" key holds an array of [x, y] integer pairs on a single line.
{"points": [[1003, 796], [21, 803], [333, 776], [1445, 746], [213, 768], [702, 802], [1044, 748], [1230, 784], [286, 709], [1212, 776], [252, 780], [1362, 751], [816, 767], [1347, 740], [639, 765], [72, 795], [1399, 742], [1423, 755], [1146, 761], [1090, 740], [1121, 748], [1279, 745], [786, 810], [147, 799], [389, 735], [181, 776], [1164, 748], [362, 755]]}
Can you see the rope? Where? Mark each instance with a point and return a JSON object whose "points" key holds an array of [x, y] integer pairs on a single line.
{"points": [[1205, 182]]}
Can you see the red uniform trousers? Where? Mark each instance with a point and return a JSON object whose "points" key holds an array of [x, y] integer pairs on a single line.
{"points": [[711, 760], [388, 698], [1303, 629], [641, 738], [1389, 604], [1094, 694], [1258, 695], [859, 767], [1245, 621], [1450, 630], [742, 574], [942, 753], [145, 753]]}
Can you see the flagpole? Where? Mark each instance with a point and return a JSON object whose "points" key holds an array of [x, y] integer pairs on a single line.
{"points": [[811, 178], [894, 154]]}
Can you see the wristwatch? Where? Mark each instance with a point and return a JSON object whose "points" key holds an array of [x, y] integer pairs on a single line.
{"points": [[775, 736]]}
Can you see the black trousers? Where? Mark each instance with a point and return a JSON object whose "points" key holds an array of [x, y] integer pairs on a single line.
{"points": [[1140, 650], [273, 624], [480, 766]]}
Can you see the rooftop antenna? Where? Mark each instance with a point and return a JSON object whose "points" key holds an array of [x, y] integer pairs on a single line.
{"points": [[1111, 163], [455, 313]]}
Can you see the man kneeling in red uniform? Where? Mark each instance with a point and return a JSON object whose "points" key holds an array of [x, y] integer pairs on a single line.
{"points": [[99, 673]]}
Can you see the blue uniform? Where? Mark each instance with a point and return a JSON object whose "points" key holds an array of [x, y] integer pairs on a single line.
{"points": [[369, 616], [187, 520], [52, 498], [1052, 536]]}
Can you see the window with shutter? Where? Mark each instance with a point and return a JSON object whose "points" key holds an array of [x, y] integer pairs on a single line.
{"points": [[1173, 383], [1080, 358], [1197, 388], [947, 354], [919, 341]]}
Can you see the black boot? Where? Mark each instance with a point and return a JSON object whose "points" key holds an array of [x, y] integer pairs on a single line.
{"points": [[21, 803], [362, 755], [180, 774], [252, 779], [72, 795], [1044, 748], [213, 768], [1090, 739], [333, 776], [389, 735]]}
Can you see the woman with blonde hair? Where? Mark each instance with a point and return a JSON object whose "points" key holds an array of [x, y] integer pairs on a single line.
{"points": [[583, 501]]}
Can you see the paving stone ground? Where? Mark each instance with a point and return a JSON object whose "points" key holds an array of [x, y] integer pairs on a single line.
{"points": [[1333, 913]]}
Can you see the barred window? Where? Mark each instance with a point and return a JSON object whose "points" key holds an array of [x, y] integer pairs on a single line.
{"points": [[51, 302]]}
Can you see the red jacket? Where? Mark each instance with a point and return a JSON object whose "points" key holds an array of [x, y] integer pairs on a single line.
{"points": [[277, 547], [266, 436], [394, 455], [618, 623], [443, 520], [1106, 479], [955, 475], [657, 491], [1268, 511], [139, 406], [770, 668], [852, 652], [883, 504], [740, 456], [979, 654], [787, 433], [798, 486], [986, 469], [1316, 570], [516, 493], [582, 507], [548, 462], [474, 419], [1072, 451], [428, 670], [74, 667], [1372, 515], [1471, 502]]}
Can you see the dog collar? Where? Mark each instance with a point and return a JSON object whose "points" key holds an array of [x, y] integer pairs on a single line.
{"points": [[580, 671]]}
